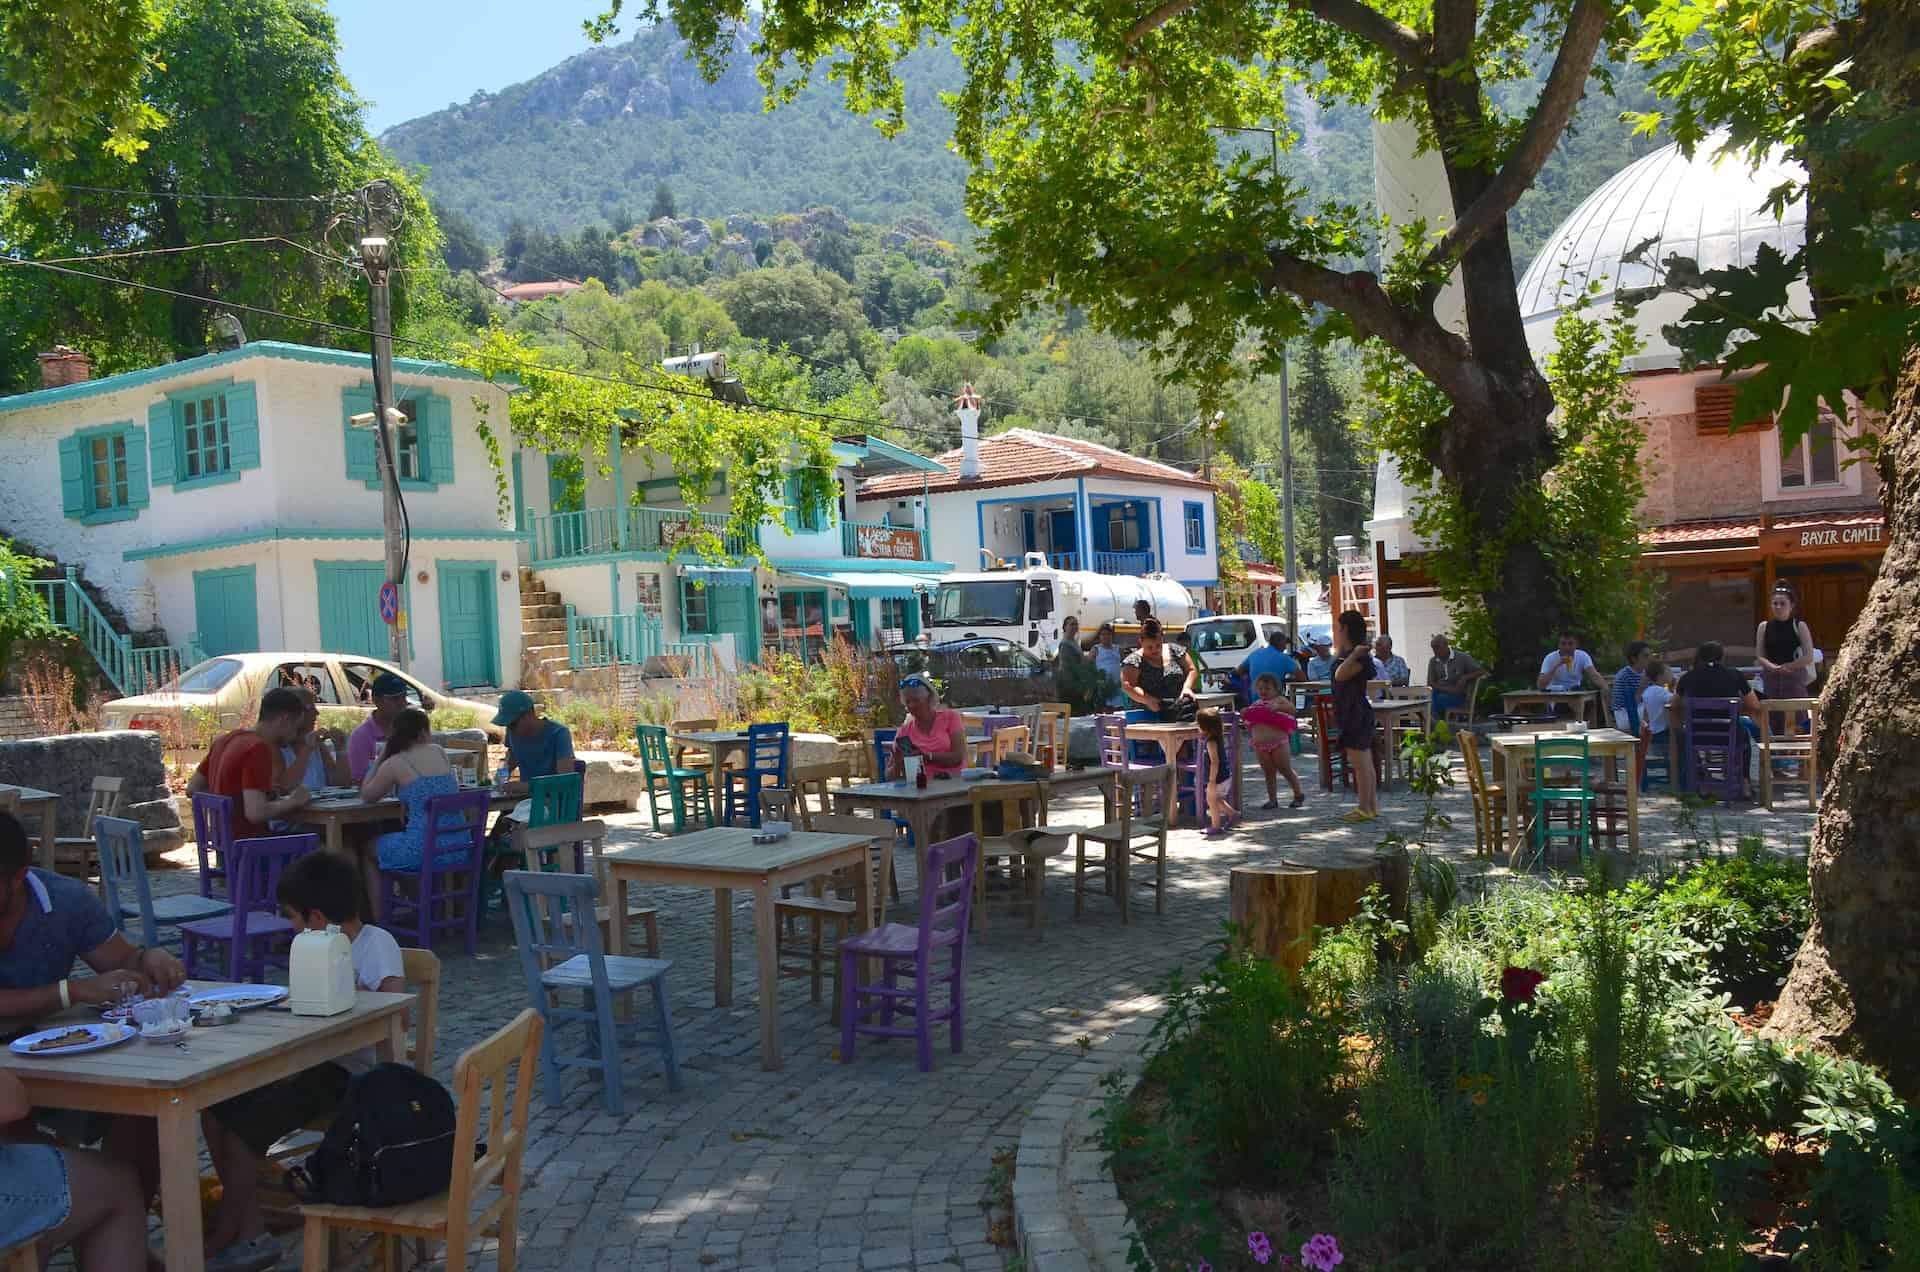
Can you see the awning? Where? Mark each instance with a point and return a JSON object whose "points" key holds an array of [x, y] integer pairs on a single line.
{"points": [[871, 585], [719, 575]]}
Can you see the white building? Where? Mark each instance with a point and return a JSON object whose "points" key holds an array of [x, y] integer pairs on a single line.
{"points": [[228, 501], [1085, 506]]}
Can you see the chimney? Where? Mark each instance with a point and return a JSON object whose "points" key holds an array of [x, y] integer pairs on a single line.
{"points": [[967, 407], [63, 366]]}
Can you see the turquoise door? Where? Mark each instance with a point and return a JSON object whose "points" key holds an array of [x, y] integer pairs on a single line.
{"points": [[863, 623], [734, 611], [349, 593], [469, 651], [225, 610]]}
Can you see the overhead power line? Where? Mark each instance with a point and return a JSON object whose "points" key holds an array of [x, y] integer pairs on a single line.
{"points": [[310, 200]]}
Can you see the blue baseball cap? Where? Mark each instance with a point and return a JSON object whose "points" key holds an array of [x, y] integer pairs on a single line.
{"points": [[514, 703], [388, 685]]}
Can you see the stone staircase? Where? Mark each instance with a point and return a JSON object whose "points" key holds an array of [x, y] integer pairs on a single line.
{"points": [[543, 637]]}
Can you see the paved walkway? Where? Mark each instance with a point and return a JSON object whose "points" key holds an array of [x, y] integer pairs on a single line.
{"points": [[874, 1165]]}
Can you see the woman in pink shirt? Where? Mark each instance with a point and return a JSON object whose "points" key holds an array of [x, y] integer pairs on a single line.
{"points": [[935, 733]]}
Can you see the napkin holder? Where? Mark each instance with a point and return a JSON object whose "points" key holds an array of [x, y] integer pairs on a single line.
{"points": [[320, 973]]}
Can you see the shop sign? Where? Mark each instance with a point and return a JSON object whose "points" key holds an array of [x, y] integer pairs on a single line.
{"points": [[889, 542], [1826, 538]]}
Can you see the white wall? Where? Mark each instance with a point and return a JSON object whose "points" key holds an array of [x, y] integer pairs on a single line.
{"points": [[1413, 622]]}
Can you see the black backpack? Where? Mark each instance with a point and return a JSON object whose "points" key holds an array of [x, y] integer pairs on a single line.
{"points": [[391, 1143]]}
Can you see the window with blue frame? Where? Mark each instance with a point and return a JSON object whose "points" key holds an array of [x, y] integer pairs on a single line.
{"points": [[406, 442], [205, 446], [1123, 529], [422, 437], [204, 435], [1196, 527], [696, 609], [103, 473], [899, 614]]}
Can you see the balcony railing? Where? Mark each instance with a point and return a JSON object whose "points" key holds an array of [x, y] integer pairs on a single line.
{"points": [[878, 540], [1064, 560], [613, 640], [643, 532], [1134, 563], [131, 670]]}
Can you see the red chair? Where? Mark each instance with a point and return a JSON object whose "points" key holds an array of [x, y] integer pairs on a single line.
{"points": [[1333, 759]]}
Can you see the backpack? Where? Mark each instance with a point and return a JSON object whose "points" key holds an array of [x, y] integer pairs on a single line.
{"points": [[390, 1143]]}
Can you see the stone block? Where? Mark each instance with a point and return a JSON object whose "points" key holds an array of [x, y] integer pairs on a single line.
{"points": [[67, 766], [613, 777]]}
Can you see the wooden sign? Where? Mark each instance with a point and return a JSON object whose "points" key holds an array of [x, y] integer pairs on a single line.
{"points": [[1826, 539], [676, 532], [889, 542]]}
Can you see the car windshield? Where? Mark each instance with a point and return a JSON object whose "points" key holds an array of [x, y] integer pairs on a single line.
{"points": [[979, 601], [1211, 637], [207, 677]]}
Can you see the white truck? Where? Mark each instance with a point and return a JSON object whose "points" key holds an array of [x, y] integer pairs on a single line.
{"points": [[1027, 604]]}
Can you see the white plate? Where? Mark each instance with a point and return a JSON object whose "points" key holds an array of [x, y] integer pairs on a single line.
{"points": [[103, 1036], [267, 995]]}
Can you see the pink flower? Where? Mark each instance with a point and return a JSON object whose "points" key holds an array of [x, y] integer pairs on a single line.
{"points": [[1259, 1247], [1204, 1267], [1321, 1253]]}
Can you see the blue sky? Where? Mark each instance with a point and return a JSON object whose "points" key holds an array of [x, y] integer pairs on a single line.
{"points": [[412, 57]]}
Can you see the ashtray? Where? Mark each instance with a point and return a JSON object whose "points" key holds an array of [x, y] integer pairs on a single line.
{"points": [[768, 836], [207, 1020], [164, 1035]]}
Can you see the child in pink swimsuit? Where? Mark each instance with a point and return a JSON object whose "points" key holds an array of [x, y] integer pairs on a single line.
{"points": [[1272, 720]]}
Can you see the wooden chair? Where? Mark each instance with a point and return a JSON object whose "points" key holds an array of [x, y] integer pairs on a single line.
{"points": [[421, 971], [1461, 719], [1024, 848], [1139, 833], [813, 779], [22, 1258], [107, 800], [807, 919], [484, 1194], [468, 755], [1007, 740], [1489, 801], [588, 839], [1789, 745], [1052, 727]]}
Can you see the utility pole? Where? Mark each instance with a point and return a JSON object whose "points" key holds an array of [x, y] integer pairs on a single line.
{"points": [[376, 257], [1286, 505]]}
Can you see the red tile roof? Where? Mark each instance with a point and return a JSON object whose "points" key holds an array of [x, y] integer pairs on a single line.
{"points": [[1022, 456], [538, 291], [1729, 530]]}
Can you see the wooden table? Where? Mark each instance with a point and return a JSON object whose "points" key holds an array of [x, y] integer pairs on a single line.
{"points": [[48, 805], [1170, 738], [921, 807], [334, 814], [1513, 767], [717, 743], [724, 858], [1585, 702], [1390, 714], [172, 1086]]}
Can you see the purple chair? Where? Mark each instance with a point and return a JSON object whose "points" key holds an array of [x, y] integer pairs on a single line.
{"points": [[213, 836], [1716, 747], [445, 896], [946, 897], [253, 882]]}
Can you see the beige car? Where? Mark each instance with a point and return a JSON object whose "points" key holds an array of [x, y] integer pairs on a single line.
{"points": [[230, 687]]}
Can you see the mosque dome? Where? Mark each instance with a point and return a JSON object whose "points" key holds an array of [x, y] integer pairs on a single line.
{"points": [[1711, 207]]}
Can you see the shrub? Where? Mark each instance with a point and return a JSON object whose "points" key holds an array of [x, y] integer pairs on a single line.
{"points": [[1747, 913], [453, 719]]}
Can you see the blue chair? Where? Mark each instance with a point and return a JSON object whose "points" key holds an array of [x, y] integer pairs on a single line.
{"points": [[1562, 777], [765, 768], [253, 868], [559, 956], [882, 740], [123, 867]]}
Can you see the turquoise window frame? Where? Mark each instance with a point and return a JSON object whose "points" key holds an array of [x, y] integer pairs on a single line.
{"points": [[1195, 515], [84, 439], [405, 395], [177, 402], [691, 591]]}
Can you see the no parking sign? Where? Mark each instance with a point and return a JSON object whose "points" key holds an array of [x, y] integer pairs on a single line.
{"points": [[389, 604]]}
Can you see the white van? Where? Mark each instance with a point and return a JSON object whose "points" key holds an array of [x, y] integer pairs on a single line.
{"points": [[1221, 642]]}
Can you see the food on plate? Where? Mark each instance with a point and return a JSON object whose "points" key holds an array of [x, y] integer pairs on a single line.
{"points": [[77, 1036]]}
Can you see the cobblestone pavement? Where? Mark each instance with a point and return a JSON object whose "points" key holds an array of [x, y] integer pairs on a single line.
{"points": [[873, 1165]]}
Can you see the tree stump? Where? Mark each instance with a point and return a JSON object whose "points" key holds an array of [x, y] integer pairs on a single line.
{"points": [[1343, 875], [1273, 908]]}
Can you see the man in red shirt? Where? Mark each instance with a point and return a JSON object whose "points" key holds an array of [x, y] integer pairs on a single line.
{"points": [[243, 765]]}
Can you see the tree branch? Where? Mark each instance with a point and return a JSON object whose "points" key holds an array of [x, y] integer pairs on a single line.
{"points": [[1454, 24], [1440, 354], [1565, 84], [1400, 41], [1162, 14]]}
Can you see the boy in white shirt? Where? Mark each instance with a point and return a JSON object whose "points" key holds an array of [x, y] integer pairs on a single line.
{"points": [[316, 890], [1654, 699]]}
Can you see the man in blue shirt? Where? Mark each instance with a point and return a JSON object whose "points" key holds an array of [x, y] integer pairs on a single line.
{"points": [[535, 747], [1320, 666], [1270, 659]]}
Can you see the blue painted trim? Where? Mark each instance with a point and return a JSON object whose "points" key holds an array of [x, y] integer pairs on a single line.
{"points": [[1082, 519], [412, 485], [277, 534], [83, 439], [211, 479], [980, 510], [1198, 582], [845, 564], [208, 362], [613, 583], [1189, 506], [875, 446], [1159, 546]]}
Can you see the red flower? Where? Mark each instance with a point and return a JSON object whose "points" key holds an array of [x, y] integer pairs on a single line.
{"points": [[1517, 984]]}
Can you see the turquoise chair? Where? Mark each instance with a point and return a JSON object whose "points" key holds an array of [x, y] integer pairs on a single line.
{"points": [[1562, 778], [553, 800], [663, 779]]}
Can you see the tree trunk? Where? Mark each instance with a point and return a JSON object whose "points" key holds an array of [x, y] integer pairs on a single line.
{"points": [[1273, 908], [1855, 984]]}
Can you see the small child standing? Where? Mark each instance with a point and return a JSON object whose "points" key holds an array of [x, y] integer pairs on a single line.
{"points": [[1220, 813], [316, 890], [1272, 721]]}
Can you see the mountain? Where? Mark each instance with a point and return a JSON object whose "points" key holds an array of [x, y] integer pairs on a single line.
{"points": [[594, 135]]}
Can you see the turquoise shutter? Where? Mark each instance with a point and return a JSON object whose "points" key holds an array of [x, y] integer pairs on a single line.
{"points": [[243, 426], [792, 499], [687, 586], [137, 496], [436, 438], [361, 464], [519, 496], [73, 479], [160, 441]]}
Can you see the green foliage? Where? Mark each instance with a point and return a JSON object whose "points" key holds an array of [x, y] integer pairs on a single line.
{"points": [[446, 719], [1747, 913], [252, 101], [23, 611], [842, 694], [809, 310], [72, 73]]}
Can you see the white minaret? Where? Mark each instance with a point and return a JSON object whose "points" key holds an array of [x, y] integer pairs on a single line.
{"points": [[967, 407]]}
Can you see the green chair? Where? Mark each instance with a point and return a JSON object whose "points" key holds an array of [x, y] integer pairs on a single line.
{"points": [[554, 801], [1562, 775], [663, 779]]}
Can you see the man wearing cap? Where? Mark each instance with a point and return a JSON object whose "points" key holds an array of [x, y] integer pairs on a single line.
{"points": [[363, 747], [1320, 666], [535, 747]]}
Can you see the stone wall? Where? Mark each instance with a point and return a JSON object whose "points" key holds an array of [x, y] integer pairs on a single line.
{"points": [[16, 718], [67, 766]]}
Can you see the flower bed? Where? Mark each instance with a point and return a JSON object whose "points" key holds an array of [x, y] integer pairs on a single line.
{"points": [[1543, 1079]]}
